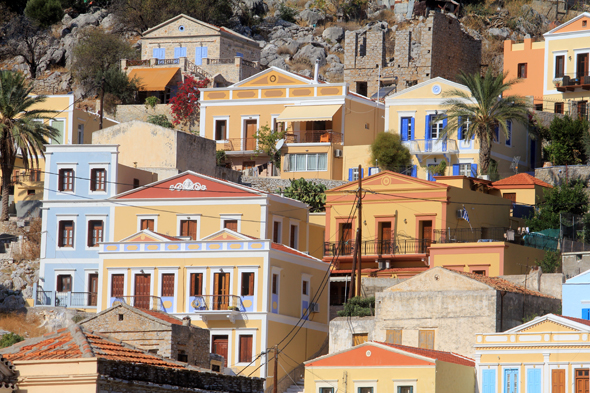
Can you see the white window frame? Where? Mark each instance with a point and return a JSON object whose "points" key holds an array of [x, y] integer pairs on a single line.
{"points": [[230, 340], [147, 217], [218, 269], [327, 383], [233, 216], [307, 170], [66, 217], [104, 166], [249, 270], [307, 278], [243, 132], [245, 332], [529, 366], [169, 270], [80, 134], [355, 174], [88, 272], [480, 374], [215, 120], [66, 165], [577, 52], [146, 270], [63, 272], [295, 223], [509, 366], [439, 128], [400, 116], [466, 143], [117, 270], [189, 271], [461, 172], [368, 383], [95, 217], [65, 135], [191, 217], [280, 220], [397, 383], [277, 271]]}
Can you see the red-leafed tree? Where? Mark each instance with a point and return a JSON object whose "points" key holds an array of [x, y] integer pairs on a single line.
{"points": [[185, 104]]}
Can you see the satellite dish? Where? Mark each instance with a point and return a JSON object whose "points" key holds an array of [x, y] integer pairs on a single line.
{"points": [[280, 144]]}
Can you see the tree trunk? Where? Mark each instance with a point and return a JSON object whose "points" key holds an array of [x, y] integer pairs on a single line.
{"points": [[5, 193], [485, 152]]}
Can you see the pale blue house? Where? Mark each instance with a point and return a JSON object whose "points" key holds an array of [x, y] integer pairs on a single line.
{"points": [[575, 294]]}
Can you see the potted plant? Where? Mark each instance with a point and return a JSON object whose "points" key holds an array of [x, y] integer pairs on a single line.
{"points": [[557, 82]]}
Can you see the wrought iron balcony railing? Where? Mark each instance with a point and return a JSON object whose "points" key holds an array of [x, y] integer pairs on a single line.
{"points": [[429, 146], [378, 247], [153, 303], [473, 235], [217, 303], [65, 299], [314, 136]]}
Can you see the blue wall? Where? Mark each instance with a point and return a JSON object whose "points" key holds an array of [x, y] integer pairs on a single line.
{"points": [[573, 292]]}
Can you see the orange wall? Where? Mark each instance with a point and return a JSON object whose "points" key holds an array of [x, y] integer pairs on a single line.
{"points": [[533, 55]]}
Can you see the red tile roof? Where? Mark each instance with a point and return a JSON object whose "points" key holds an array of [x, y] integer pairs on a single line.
{"points": [[521, 179], [162, 316], [75, 343], [289, 250], [500, 284], [449, 357], [174, 239], [578, 320]]}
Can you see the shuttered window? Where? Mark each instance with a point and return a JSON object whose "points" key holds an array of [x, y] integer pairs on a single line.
{"points": [[359, 338], [147, 224], [117, 285], [168, 284], [293, 237], [66, 180], [247, 284], [66, 234], [98, 180], [231, 225], [426, 339], [245, 348], [188, 228], [196, 284], [276, 232], [95, 233], [64, 283], [393, 336]]}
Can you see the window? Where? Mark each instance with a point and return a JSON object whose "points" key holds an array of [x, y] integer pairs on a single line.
{"points": [[98, 180], [426, 339], [359, 338], [276, 232], [95, 233], [465, 128], [522, 70], [196, 288], [64, 283], [366, 390], [480, 272], [188, 228], [558, 107], [245, 348], [584, 23], [66, 234], [80, 134], [121, 317], [293, 237], [559, 66], [30, 192], [393, 336], [305, 288], [220, 130], [308, 162], [66, 180], [247, 284], [275, 284], [405, 389], [583, 110], [538, 107], [231, 225], [407, 130], [135, 183], [239, 54], [361, 88], [147, 224], [326, 390], [34, 175], [168, 284], [182, 357], [117, 285], [436, 131]]}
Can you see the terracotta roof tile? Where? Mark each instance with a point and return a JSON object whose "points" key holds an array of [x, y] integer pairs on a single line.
{"points": [[174, 239], [282, 247], [578, 320], [502, 285], [162, 316], [521, 179], [449, 357]]}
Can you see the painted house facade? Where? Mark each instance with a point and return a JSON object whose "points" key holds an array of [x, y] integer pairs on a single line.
{"points": [[548, 354], [416, 114], [328, 128], [576, 301]]}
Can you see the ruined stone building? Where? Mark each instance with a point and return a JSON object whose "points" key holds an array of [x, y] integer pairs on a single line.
{"points": [[421, 50]]}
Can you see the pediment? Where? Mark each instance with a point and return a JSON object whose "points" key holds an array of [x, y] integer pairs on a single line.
{"points": [[274, 77]]}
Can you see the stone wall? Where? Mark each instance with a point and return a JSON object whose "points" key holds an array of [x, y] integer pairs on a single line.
{"points": [[372, 285], [126, 113], [141, 377], [517, 308], [574, 263], [274, 184], [342, 329], [556, 175], [547, 283]]}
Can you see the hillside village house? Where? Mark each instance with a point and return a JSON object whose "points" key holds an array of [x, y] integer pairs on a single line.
{"points": [[417, 115], [576, 301], [410, 225], [551, 353], [186, 46], [375, 367], [328, 128], [556, 71]]}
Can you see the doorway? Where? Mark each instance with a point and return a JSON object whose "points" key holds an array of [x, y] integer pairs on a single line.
{"points": [[250, 129], [142, 291], [219, 346], [582, 67], [511, 380], [582, 381], [221, 291], [425, 235], [346, 245], [92, 288], [385, 245]]}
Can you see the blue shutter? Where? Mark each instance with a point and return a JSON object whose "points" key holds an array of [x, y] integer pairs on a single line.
{"points": [[414, 171], [159, 53], [183, 51], [455, 169], [413, 129], [204, 52], [460, 130], [488, 381], [405, 129], [198, 55], [362, 173], [444, 140], [428, 127], [350, 174], [497, 134], [238, 54], [176, 53], [533, 380], [586, 313], [473, 170], [155, 53], [430, 177]]}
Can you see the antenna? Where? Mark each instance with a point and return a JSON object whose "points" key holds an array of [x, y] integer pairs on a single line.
{"points": [[514, 165]]}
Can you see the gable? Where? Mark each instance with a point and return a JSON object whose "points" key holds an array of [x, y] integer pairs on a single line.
{"points": [[548, 326], [582, 278], [273, 77], [224, 236], [391, 181], [436, 280], [573, 25], [189, 185], [433, 89], [171, 28], [369, 356], [142, 237]]}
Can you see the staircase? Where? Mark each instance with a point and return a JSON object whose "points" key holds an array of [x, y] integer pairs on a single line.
{"points": [[295, 388]]}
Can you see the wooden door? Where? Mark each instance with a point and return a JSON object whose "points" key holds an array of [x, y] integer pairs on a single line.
{"points": [[142, 291], [92, 288], [426, 235], [188, 228], [385, 238], [219, 347], [221, 291], [250, 127], [346, 238], [117, 285], [558, 381], [582, 69], [147, 224], [511, 196], [581, 381]]}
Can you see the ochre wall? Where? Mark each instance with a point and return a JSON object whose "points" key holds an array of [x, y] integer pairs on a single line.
{"points": [[531, 53]]}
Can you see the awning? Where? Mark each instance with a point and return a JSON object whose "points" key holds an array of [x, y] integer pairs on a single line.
{"points": [[153, 79], [308, 113]]}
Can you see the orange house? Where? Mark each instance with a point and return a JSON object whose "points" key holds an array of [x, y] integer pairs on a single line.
{"points": [[525, 61]]}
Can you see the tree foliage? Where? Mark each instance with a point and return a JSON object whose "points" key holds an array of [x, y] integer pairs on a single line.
{"points": [[160, 120], [439, 169], [44, 12], [487, 109], [388, 152], [313, 194], [570, 197], [566, 138], [266, 143], [551, 262], [358, 307], [185, 104], [21, 132], [10, 339]]}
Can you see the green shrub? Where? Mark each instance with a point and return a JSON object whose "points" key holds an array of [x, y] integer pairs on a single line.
{"points": [[551, 262], [220, 157], [10, 339], [307, 192], [287, 13], [160, 120], [358, 307], [44, 12]]}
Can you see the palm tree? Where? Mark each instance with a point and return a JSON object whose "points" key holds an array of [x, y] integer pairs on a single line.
{"points": [[22, 129], [486, 108]]}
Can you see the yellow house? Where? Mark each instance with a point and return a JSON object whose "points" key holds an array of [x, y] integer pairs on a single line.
{"points": [[522, 188], [376, 367], [410, 225], [328, 127], [417, 115], [548, 354]]}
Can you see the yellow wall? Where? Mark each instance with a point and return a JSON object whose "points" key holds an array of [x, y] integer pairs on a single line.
{"points": [[57, 376], [26, 183], [91, 123], [454, 378]]}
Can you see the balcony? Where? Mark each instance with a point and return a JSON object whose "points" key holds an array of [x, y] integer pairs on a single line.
{"points": [[378, 247], [217, 307], [468, 235], [314, 136], [145, 302], [571, 82], [237, 144], [432, 146], [65, 299]]}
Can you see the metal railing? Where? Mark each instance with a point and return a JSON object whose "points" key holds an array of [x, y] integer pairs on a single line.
{"points": [[237, 144], [167, 61], [145, 302], [220, 61], [428, 146], [571, 80], [195, 69], [134, 63], [469, 235], [378, 247], [313, 136], [217, 303], [66, 299]]}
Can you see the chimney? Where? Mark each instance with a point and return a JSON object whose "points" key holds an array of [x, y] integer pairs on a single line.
{"points": [[186, 321], [316, 71]]}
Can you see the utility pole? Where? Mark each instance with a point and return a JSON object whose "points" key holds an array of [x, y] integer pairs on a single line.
{"points": [[101, 104], [276, 376], [351, 290], [360, 231]]}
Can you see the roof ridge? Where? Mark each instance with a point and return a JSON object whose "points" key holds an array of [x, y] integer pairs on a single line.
{"points": [[509, 286], [80, 339]]}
